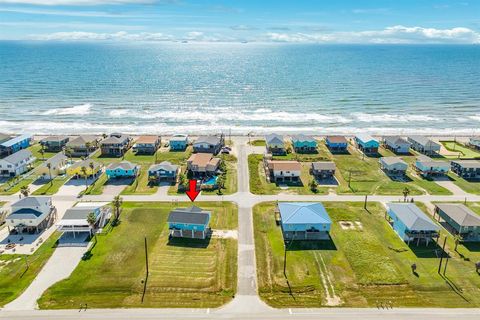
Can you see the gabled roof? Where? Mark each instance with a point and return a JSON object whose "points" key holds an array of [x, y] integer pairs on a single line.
{"points": [[208, 139], [470, 164], [396, 140], [115, 139], [429, 162], [393, 160], [460, 214], [424, 141], [365, 138], [165, 165], [4, 137], [323, 165], [274, 138], [191, 215], [125, 165], [18, 156], [31, 202], [54, 139], [147, 139], [81, 140], [412, 217], [200, 159], [55, 160], [179, 137], [303, 212], [284, 165], [336, 139], [303, 138], [15, 140]]}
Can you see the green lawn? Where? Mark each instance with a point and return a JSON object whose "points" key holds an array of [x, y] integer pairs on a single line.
{"points": [[463, 151], [258, 143], [366, 177], [15, 277], [35, 149], [183, 273], [260, 185], [467, 186], [360, 267], [14, 185], [96, 187], [50, 187]]}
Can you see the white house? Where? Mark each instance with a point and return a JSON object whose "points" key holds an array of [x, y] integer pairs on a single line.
{"points": [[16, 164], [74, 220], [284, 171], [393, 165], [30, 214], [396, 144], [424, 145]]}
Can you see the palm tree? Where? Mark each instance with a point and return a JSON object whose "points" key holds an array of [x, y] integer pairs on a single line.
{"points": [[117, 204], [314, 186], [88, 145], [92, 166], [91, 219], [406, 192], [84, 171], [49, 166], [68, 151], [25, 191], [42, 152]]}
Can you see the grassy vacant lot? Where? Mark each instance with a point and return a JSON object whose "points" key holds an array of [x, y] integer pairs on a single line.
{"points": [[258, 143], [15, 277], [259, 184], [463, 151], [51, 187], [96, 187], [366, 177], [36, 148], [359, 267], [467, 186], [183, 273]]}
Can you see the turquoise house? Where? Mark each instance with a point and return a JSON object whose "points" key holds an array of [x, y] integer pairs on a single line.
{"points": [[123, 169], [304, 221], [411, 224], [192, 222], [15, 144], [178, 142], [366, 143], [304, 144]]}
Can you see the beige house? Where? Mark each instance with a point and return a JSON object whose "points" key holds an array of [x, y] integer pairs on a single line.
{"points": [[284, 171], [203, 164], [53, 167]]}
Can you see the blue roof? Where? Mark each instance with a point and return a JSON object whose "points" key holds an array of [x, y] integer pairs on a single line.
{"points": [[16, 140], [26, 211], [303, 212]]}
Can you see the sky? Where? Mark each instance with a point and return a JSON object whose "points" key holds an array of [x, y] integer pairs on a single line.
{"points": [[339, 21]]}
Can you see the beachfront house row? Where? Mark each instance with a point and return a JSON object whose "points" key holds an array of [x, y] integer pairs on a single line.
{"points": [[54, 143], [428, 167], [393, 166], [53, 167], [74, 222], [275, 144], [201, 165], [92, 169], [178, 142], [122, 169], [336, 143], [30, 214], [366, 143], [397, 144], [15, 144], [411, 224], [424, 145], [474, 142], [147, 144], [304, 221], [283, 171], [16, 164], [192, 222], [116, 145], [460, 220], [304, 144], [323, 169], [164, 171], [467, 169], [82, 146], [209, 144]]}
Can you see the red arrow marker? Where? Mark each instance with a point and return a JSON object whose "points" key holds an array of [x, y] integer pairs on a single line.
{"points": [[192, 193]]}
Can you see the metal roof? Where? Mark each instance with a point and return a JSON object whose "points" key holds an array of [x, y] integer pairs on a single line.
{"points": [[165, 165], [191, 215], [274, 138], [303, 212], [392, 160], [25, 213], [460, 214], [15, 140], [424, 141], [412, 217], [396, 140], [208, 139], [365, 138], [18, 156], [302, 138], [30, 202], [323, 165], [471, 164], [125, 165]]}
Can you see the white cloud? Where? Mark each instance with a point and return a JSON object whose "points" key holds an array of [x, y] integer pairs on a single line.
{"points": [[395, 34], [92, 36], [77, 2]]}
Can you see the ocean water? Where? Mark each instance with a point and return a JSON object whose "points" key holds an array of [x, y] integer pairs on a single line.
{"points": [[50, 87]]}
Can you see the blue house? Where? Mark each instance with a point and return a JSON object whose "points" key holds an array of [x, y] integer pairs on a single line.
{"points": [[190, 222], [366, 143], [304, 221], [15, 144], [411, 224], [164, 171], [178, 142], [304, 144], [336, 143], [123, 169]]}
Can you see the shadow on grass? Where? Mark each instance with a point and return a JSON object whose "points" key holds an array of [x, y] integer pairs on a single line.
{"points": [[399, 178], [433, 250], [188, 242], [472, 246], [299, 245], [339, 152]]}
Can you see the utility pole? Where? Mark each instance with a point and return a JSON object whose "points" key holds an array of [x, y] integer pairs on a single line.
{"points": [[365, 204], [146, 256], [441, 257]]}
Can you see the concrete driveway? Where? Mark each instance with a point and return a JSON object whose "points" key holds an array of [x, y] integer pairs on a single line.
{"points": [[73, 187], [115, 186]]}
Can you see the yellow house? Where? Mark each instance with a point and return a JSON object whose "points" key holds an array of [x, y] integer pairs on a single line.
{"points": [[75, 169]]}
